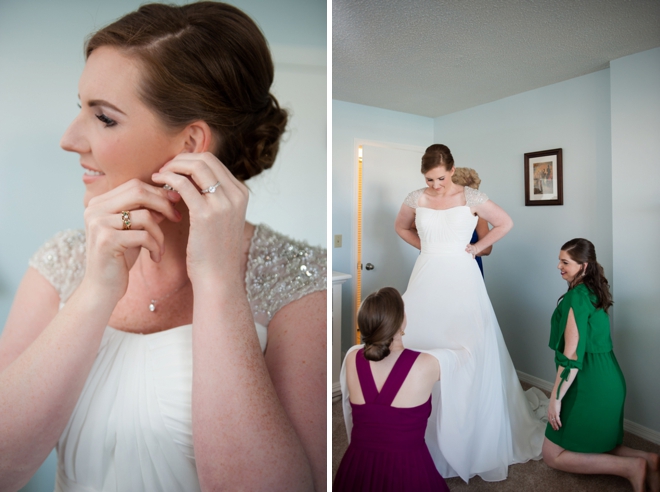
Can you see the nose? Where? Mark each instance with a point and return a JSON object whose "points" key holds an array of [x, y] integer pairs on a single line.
{"points": [[73, 139]]}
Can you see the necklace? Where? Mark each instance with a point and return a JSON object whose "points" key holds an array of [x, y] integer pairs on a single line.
{"points": [[152, 304]]}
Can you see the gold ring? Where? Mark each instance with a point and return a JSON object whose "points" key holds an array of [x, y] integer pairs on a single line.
{"points": [[126, 220]]}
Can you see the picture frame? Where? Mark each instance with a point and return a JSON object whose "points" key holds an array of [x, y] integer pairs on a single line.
{"points": [[544, 182]]}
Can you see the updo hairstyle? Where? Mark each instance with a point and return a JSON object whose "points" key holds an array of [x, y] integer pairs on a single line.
{"points": [[437, 155], [205, 61], [583, 251], [379, 318], [465, 176]]}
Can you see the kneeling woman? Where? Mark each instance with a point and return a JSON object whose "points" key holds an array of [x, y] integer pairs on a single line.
{"points": [[389, 388], [585, 415]]}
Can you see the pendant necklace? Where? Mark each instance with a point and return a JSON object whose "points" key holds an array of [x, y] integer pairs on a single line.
{"points": [[152, 304]]}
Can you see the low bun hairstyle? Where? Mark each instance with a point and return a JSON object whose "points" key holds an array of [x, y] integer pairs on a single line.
{"points": [[205, 61], [583, 251], [437, 155], [379, 318]]}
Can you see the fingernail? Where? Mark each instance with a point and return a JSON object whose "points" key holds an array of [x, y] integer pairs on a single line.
{"points": [[177, 213], [173, 196]]}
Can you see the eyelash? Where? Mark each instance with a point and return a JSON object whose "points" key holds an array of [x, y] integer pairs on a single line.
{"points": [[104, 119]]}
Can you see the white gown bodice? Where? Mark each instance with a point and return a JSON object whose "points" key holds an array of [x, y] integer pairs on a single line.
{"points": [[445, 231]]}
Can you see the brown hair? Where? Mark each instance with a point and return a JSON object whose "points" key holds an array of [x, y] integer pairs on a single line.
{"points": [[465, 176], [379, 318], [437, 155], [583, 251], [205, 61]]}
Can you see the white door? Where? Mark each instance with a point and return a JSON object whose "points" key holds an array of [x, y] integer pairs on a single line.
{"points": [[388, 175]]}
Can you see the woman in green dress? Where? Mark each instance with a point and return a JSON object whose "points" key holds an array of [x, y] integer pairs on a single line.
{"points": [[585, 415]]}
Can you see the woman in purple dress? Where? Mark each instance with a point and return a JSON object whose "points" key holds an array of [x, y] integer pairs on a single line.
{"points": [[389, 390]]}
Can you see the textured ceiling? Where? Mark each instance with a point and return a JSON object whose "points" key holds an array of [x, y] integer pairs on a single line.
{"points": [[434, 57]]}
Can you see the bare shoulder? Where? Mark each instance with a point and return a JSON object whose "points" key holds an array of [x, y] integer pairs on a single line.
{"points": [[349, 361], [428, 366], [34, 307]]}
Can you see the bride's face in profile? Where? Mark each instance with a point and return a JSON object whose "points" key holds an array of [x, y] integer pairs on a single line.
{"points": [[438, 179], [117, 136]]}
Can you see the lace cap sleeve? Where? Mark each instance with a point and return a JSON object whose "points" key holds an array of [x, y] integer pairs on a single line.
{"points": [[281, 270], [61, 260], [474, 197], [413, 197]]}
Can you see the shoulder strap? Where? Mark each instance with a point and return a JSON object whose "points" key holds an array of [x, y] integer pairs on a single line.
{"points": [[281, 270], [61, 261], [474, 197], [366, 377], [413, 197], [397, 376]]}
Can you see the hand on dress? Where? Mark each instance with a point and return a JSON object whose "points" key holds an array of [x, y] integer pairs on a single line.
{"points": [[217, 217], [113, 246], [472, 249], [554, 409]]}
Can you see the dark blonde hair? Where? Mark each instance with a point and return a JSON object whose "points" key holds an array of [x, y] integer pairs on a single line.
{"points": [[465, 176], [205, 61], [583, 251], [437, 155], [379, 318]]}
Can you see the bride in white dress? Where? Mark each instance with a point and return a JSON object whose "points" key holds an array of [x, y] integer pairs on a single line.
{"points": [[170, 345], [482, 421]]}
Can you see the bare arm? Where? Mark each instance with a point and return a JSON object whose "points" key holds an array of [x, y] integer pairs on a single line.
{"points": [[500, 220], [296, 360], [243, 437], [404, 225], [483, 229], [571, 338]]}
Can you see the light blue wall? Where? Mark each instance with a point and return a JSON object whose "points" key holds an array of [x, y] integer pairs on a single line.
{"points": [[520, 273], [41, 59], [635, 81], [351, 122]]}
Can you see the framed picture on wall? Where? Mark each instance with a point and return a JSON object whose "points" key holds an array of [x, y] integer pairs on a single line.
{"points": [[543, 178]]}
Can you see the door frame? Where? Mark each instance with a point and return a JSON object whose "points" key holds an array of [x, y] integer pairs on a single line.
{"points": [[357, 237]]}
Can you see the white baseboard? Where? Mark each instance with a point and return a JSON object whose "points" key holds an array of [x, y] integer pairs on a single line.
{"points": [[628, 425], [534, 381], [336, 391]]}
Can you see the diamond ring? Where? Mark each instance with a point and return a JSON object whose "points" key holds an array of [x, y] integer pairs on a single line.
{"points": [[211, 189]]}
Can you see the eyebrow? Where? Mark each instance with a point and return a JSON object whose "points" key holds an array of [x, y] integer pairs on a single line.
{"points": [[101, 102]]}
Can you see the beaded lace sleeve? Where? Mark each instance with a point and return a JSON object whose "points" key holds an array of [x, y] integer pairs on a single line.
{"points": [[413, 197], [61, 260], [474, 197], [281, 270]]}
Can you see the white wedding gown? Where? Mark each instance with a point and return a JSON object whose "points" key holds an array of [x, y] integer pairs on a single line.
{"points": [[482, 421]]}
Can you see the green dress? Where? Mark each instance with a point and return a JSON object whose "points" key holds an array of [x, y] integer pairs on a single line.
{"points": [[592, 409]]}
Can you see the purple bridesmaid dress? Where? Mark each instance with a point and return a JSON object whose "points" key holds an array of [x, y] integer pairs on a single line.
{"points": [[387, 450]]}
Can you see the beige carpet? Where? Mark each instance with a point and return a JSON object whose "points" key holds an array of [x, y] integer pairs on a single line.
{"points": [[533, 476]]}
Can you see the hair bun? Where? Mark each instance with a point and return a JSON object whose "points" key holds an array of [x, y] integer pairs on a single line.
{"points": [[254, 146], [377, 351]]}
